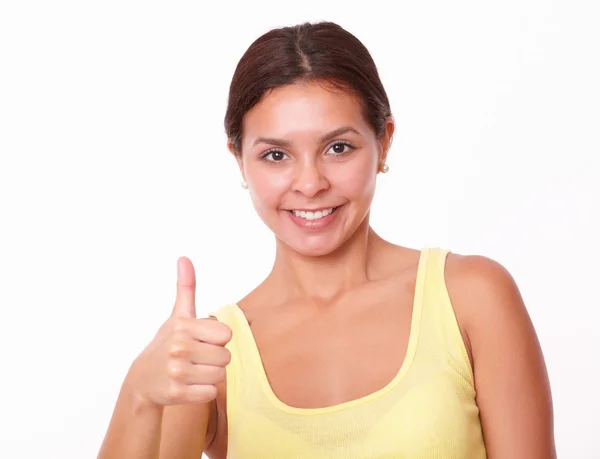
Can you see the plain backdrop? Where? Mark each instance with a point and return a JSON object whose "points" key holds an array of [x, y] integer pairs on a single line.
{"points": [[114, 163]]}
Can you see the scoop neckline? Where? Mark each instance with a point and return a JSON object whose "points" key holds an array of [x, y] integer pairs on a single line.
{"points": [[254, 354]]}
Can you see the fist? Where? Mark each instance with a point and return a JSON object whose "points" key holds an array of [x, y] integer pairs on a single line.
{"points": [[186, 360]]}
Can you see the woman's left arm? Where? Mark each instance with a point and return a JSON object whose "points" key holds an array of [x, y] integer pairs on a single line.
{"points": [[511, 380]]}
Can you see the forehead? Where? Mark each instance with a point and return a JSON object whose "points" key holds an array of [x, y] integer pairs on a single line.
{"points": [[307, 108]]}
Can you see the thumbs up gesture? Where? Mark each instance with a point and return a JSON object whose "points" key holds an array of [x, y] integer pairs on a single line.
{"points": [[187, 357]]}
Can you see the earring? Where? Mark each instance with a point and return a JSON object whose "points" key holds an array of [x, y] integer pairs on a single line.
{"points": [[385, 168], [244, 185]]}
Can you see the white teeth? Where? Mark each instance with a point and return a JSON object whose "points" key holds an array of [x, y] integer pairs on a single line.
{"points": [[312, 215]]}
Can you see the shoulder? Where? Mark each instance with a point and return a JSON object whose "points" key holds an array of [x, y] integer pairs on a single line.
{"points": [[511, 380], [481, 284], [486, 299], [489, 307]]}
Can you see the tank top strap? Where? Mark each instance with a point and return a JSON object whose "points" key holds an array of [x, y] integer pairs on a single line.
{"points": [[227, 314], [441, 340], [245, 377]]}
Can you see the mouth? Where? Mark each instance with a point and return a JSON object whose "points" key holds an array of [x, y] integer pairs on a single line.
{"points": [[310, 215]]}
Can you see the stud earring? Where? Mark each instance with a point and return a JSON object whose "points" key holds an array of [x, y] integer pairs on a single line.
{"points": [[244, 185], [385, 168]]}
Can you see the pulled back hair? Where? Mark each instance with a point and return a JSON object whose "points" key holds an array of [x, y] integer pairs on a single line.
{"points": [[308, 52]]}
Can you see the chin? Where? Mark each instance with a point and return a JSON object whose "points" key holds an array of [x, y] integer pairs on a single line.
{"points": [[315, 246], [318, 251]]}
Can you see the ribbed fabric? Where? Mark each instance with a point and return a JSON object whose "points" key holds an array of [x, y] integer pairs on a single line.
{"points": [[427, 411]]}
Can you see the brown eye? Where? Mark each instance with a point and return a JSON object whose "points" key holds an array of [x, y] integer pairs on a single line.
{"points": [[274, 156], [340, 148]]}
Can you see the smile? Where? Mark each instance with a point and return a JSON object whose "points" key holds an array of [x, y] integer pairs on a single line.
{"points": [[310, 215]]}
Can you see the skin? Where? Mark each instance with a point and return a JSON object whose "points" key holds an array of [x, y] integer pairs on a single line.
{"points": [[165, 401], [342, 289], [347, 286]]}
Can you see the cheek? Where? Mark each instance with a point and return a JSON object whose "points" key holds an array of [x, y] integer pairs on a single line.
{"points": [[267, 187], [358, 179]]}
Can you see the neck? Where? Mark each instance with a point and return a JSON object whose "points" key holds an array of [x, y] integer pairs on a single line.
{"points": [[325, 277]]}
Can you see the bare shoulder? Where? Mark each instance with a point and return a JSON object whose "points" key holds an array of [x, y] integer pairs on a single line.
{"points": [[481, 286], [512, 386], [474, 283], [487, 302], [478, 271]]}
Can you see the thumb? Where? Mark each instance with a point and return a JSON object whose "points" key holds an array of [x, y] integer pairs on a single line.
{"points": [[185, 302]]}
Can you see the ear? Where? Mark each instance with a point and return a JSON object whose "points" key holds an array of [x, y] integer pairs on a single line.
{"points": [[385, 141], [238, 157]]}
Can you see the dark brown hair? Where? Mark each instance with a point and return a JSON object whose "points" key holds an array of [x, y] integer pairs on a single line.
{"points": [[322, 51]]}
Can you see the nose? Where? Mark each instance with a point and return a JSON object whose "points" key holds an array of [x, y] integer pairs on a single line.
{"points": [[309, 178]]}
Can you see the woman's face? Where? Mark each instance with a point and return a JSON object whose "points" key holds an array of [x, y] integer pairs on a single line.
{"points": [[310, 160]]}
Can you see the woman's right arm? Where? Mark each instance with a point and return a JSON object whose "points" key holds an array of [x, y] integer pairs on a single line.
{"points": [[140, 430], [184, 431], [166, 398]]}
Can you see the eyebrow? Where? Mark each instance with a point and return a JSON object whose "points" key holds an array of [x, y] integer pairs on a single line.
{"points": [[324, 138]]}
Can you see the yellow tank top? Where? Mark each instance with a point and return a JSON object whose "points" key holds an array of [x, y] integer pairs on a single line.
{"points": [[427, 411]]}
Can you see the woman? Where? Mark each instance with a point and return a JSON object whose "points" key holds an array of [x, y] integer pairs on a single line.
{"points": [[352, 347]]}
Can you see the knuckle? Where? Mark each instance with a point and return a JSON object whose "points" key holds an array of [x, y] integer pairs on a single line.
{"points": [[175, 393], [176, 371], [179, 326], [178, 349]]}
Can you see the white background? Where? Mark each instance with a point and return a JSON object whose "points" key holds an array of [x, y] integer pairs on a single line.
{"points": [[113, 164]]}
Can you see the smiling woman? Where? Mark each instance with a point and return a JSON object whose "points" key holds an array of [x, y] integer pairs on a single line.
{"points": [[353, 346], [310, 159]]}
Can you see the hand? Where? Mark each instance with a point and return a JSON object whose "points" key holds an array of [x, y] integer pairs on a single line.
{"points": [[187, 357]]}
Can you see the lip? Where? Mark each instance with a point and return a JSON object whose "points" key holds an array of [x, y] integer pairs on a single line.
{"points": [[311, 210], [314, 225]]}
